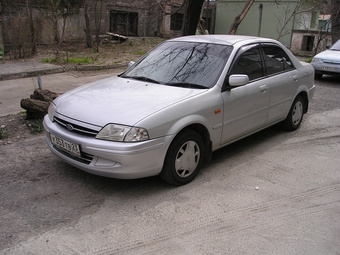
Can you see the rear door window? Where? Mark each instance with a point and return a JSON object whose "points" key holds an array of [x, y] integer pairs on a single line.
{"points": [[276, 60]]}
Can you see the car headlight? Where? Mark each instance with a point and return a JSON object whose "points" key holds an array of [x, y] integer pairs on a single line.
{"points": [[317, 60], [120, 133], [51, 111]]}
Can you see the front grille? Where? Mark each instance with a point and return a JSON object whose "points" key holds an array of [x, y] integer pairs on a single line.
{"points": [[84, 157], [335, 62], [75, 128]]}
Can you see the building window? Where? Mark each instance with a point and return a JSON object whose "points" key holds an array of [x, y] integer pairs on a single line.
{"points": [[315, 19], [306, 19], [124, 23], [176, 21], [307, 43]]}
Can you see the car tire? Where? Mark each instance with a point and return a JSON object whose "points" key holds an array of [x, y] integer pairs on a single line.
{"points": [[295, 115], [318, 76], [184, 158]]}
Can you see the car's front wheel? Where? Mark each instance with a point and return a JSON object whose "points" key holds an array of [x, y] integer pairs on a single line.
{"points": [[295, 115], [183, 159]]}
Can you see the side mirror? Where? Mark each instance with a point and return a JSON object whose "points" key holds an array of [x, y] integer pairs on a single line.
{"points": [[238, 80]]}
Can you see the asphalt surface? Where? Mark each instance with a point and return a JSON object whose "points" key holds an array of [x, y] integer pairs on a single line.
{"points": [[271, 193], [19, 79]]}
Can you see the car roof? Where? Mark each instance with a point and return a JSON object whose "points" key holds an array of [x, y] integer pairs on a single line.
{"points": [[223, 39]]}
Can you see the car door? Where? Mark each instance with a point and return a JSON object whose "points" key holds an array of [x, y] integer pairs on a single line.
{"points": [[246, 107], [283, 79]]}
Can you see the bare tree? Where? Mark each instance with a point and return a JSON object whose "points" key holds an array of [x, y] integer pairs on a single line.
{"points": [[191, 16], [290, 11], [335, 20], [17, 34], [238, 19], [321, 36], [54, 10], [31, 26], [87, 28], [98, 20]]}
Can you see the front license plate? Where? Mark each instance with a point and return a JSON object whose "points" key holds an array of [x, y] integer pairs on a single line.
{"points": [[330, 69], [65, 145]]}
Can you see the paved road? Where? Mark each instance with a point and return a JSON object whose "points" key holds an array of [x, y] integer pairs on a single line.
{"points": [[48, 207], [12, 91]]}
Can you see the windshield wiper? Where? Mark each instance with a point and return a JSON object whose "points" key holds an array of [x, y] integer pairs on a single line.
{"points": [[186, 85], [141, 78]]}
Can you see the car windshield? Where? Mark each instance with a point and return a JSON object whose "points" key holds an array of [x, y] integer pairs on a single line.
{"points": [[336, 46], [184, 64]]}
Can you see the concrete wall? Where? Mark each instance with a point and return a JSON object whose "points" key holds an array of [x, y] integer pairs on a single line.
{"points": [[274, 17], [153, 19], [320, 42]]}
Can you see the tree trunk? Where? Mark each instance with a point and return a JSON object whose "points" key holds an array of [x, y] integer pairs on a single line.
{"points": [[87, 29], [238, 19], [191, 16], [97, 21], [32, 28], [63, 31], [335, 20]]}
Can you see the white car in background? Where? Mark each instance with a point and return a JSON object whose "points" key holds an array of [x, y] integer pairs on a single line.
{"points": [[327, 62], [184, 99]]}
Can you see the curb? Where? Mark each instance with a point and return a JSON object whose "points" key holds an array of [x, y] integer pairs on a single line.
{"points": [[19, 75], [59, 69]]}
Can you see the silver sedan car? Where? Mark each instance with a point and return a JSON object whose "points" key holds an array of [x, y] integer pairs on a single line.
{"points": [[184, 99], [327, 62]]}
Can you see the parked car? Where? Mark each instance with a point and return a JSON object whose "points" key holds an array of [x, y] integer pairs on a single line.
{"points": [[328, 61], [184, 99]]}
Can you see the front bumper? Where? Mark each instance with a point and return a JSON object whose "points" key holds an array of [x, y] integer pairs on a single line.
{"points": [[111, 159], [326, 68]]}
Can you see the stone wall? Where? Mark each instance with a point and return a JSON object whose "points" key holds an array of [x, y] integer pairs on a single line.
{"points": [[308, 43]]}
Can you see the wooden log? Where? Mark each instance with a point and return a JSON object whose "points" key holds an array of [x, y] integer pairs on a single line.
{"points": [[35, 109], [37, 105], [44, 95], [117, 36]]}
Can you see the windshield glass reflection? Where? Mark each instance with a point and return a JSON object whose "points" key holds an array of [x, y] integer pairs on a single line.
{"points": [[182, 63]]}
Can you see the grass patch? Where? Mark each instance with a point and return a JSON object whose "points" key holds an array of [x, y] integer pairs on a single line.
{"points": [[3, 133], [37, 126], [309, 60], [140, 52], [75, 60], [85, 60], [49, 60]]}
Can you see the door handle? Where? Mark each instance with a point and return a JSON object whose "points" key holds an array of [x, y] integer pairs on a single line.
{"points": [[263, 88], [295, 77]]}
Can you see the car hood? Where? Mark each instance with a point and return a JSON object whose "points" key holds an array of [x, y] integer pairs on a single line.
{"points": [[330, 55], [119, 100]]}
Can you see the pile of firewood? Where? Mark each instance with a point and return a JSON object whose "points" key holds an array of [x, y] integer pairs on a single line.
{"points": [[37, 105]]}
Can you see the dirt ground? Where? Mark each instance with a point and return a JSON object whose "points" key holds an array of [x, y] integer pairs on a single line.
{"points": [[109, 52], [17, 127]]}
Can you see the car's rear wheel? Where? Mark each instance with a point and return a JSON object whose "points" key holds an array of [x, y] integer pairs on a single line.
{"points": [[183, 159], [295, 115]]}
